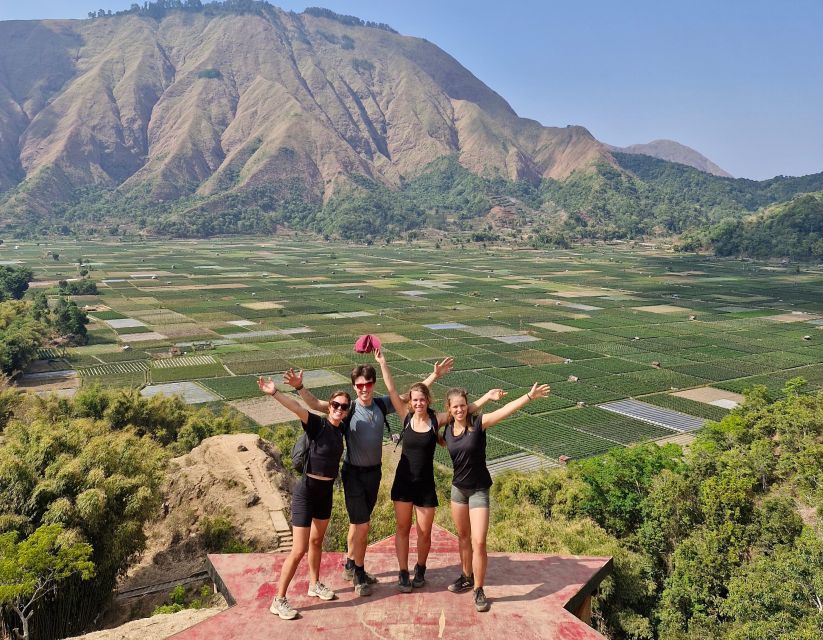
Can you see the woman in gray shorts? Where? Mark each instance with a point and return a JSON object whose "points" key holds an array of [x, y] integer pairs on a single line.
{"points": [[465, 438]]}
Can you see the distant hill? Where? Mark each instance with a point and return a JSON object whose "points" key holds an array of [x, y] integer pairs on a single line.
{"points": [[792, 229], [675, 152]]}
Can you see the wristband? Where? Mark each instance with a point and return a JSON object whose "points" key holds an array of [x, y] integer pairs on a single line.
{"points": [[276, 391], [529, 396], [300, 388]]}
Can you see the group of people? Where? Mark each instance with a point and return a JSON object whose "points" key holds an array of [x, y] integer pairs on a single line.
{"points": [[359, 423]]}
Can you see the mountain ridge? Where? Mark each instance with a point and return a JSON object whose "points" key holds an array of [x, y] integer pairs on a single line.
{"points": [[674, 151], [205, 104]]}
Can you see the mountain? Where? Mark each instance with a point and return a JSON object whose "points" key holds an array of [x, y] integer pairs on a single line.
{"points": [[176, 105], [675, 152]]}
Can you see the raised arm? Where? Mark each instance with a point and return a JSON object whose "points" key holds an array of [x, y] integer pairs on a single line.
{"points": [[268, 387], [399, 405], [440, 369], [295, 380], [474, 407], [537, 391]]}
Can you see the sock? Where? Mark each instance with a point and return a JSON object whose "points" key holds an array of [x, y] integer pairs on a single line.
{"points": [[359, 569], [349, 563]]}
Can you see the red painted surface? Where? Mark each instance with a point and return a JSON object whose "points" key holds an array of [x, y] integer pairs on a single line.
{"points": [[527, 594]]}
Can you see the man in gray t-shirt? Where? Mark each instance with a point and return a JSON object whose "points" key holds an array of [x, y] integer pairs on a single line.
{"points": [[362, 469]]}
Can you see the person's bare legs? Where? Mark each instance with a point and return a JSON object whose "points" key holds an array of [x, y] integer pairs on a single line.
{"points": [[479, 518], [462, 523], [315, 548], [358, 539], [425, 518], [403, 517], [300, 545]]}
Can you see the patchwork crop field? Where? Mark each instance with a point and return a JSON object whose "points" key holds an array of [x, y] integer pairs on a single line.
{"points": [[600, 324]]}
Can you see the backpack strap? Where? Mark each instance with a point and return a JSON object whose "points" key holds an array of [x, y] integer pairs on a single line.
{"points": [[382, 406]]}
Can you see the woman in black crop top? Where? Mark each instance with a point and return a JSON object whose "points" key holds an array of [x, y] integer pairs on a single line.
{"points": [[413, 489], [312, 496], [465, 438]]}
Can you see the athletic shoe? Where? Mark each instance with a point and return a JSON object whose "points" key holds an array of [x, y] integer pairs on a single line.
{"points": [[319, 590], [480, 602], [281, 607], [419, 576], [463, 583], [348, 575], [403, 582], [361, 584]]}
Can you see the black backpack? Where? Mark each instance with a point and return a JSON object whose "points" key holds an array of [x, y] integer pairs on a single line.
{"points": [[300, 453]]}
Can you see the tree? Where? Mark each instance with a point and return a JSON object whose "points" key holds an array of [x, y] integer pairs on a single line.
{"points": [[33, 568], [14, 281]]}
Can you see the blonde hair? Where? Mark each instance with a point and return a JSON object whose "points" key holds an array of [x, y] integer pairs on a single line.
{"points": [[458, 392], [419, 386]]}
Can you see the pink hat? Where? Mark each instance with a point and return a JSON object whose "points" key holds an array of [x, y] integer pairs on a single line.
{"points": [[367, 344]]}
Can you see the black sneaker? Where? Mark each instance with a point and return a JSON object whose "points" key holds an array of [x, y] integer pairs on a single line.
{"points": [[361, 584], [404, 585], [480, 602], [462, 584], [348, 574], [419, 576]]}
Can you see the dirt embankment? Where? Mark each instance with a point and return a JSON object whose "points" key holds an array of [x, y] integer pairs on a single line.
{"points": [[237, 478]]}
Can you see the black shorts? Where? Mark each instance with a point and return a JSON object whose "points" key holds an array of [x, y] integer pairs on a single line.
{"points": [[360, 486], [310, 500], [421, 493]]}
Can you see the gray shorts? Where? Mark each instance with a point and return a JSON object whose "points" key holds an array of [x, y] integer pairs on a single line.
{"points": [[475, 498]]}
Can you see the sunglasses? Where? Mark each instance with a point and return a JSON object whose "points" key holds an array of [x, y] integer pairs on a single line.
{"points": [[363, 386], [342, 406]]}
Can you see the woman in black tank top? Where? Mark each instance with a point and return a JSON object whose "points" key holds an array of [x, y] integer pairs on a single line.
{"points": [[413, 490]]}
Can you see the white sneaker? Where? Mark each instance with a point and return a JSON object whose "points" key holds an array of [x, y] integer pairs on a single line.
{"points": [[319, 590], [281, 607]]}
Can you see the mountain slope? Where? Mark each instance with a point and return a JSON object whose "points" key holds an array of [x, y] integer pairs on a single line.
{"points": [[204, 104], [675, 152]]}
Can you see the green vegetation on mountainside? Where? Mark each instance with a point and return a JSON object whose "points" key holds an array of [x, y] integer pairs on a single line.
{"points": [[91, 466], [708, 543], [793, 229]]}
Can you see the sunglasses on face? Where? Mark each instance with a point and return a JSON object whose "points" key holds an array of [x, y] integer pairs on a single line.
{"points": [[341, 406], [363, 386]]}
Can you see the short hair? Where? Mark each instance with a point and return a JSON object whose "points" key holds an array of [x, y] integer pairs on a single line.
{"points": [[365, 370]]}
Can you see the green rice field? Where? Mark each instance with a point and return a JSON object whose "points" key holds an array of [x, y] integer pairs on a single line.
{"points": [[598, 323]]}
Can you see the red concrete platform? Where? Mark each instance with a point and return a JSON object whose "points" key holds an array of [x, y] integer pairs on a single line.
{"points": [[531, 596]]}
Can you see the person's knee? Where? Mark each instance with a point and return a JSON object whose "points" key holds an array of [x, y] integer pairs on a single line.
{"points": [[316, 542], [297, 553], [479, 545]]}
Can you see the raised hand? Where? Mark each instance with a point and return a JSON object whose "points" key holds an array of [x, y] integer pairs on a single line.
{"points": [[496, 394], [378, 355], [443, 367], [539, 391], [293, 378], [267, 386]]}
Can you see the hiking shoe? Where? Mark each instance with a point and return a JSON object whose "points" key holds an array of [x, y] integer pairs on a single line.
{"points": [[319, 590], [419, 576], [348, 575], [361, 584], [480, 602], [462, 584], [281, 607], [404, 585]]}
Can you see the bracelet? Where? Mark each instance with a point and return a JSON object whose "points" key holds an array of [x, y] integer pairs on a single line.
{"points": [[528, 395], [276, 391], [300, 388]]}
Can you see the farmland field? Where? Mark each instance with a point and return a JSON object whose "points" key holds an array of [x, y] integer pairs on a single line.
{"points": [[600, 324]]}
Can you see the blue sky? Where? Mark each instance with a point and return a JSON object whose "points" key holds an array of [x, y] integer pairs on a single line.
{"points": [[741, 81]]}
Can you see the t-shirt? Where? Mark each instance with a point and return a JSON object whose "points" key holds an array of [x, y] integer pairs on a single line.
{"points": [[364, 434], [468, 454], [417, 457], [326, 446]]}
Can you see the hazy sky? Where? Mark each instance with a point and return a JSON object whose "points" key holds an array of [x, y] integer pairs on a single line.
{"points": [[741, 81]]}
